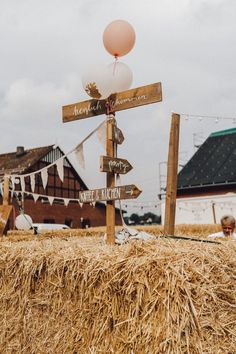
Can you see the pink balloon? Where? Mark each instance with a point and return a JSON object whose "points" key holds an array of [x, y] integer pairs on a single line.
{"points": [[119, 38]]}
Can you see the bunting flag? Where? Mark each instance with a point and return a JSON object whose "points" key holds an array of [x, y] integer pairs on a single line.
{"points": [[93, 204], [12, 182], [36, 197], [101, 134], [50, 199], [44, 176], [12, 186], [79, 152], [60, 168], [32, 182], [81, 204], [66, 201], [22, 182]]}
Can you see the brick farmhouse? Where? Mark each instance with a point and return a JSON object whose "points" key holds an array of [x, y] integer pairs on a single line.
{"points": [[75, 215]]}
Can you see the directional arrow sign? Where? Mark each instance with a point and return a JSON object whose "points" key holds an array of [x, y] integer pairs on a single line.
{"points": [[105, 194], [123, 100], [113, 164]]}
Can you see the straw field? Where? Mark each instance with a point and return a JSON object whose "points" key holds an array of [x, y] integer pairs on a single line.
{"points": [[64, 293]]}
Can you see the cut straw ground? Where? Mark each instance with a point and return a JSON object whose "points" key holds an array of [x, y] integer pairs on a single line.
{"points": [[78, 295]]}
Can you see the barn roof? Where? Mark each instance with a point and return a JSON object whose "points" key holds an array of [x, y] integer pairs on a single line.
{"points": [[21, 160], [214, 163]]}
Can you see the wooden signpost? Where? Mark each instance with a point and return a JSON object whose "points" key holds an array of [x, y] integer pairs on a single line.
{"points": [[111, 164]]}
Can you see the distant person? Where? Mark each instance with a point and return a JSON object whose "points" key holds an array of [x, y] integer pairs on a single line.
{"points": [[228, 226]]}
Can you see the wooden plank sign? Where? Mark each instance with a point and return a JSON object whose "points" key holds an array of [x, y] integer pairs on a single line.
{"points": [[113, 164], [115, 134], [123, 100], [106, 194], [5, 211]]}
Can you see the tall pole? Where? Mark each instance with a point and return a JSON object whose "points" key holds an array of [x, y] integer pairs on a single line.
{"points": [[110, 208], [172, 172], [5, 200], [213, 212]]}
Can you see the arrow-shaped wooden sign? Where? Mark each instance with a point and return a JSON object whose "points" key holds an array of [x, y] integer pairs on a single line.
{"points": [[123, 100], [114, 164], [106, 194]]}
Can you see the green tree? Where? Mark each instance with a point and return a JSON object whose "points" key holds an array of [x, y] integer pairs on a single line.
{"points": [[135, 218], [151, 218]]}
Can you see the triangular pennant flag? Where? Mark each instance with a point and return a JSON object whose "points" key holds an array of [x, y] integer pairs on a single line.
{"points": [[101, 134], [44, 175], [60, 168], [50, 199], [66, 201], [35, 196], [12, 184], [32, 182], [22, 182], [81, 204], [93, 204], [79, 152]]}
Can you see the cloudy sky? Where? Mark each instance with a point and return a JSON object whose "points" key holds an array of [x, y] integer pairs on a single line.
{"points": [[187, 45]]}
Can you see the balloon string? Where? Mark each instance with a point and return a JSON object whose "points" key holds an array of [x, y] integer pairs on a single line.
{"points": [[114, 68]]}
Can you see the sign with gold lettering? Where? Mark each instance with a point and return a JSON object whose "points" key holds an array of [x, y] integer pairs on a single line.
{"points": [[123, 100]]}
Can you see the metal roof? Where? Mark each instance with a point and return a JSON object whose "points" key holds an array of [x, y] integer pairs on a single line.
{"points": [[213, 164]]}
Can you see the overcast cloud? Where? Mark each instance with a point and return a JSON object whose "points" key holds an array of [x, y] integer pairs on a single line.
{"points": [[46, 46]]}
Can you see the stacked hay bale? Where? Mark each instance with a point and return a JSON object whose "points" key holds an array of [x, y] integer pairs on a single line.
{"points": [[77, 295]]}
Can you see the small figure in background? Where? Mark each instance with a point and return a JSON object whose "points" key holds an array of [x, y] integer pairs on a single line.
{"points": [[228, 226]]}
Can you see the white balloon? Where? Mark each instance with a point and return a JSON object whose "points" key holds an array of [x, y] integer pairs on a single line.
{"points": [[122, 76], [97, 82], [23, 222]]}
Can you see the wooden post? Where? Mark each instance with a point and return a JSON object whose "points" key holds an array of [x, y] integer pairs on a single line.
{"points": [[172, 172], [5, 200], [110, 209], [213, 212]]}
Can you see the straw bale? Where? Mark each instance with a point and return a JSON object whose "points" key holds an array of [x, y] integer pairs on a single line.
{"points": [[78, 295]]}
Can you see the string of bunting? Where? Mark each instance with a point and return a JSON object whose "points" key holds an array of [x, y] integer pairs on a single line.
{"points": [[203, 206], [200, 117], [186, 206], [78, 150], [50, 199]]}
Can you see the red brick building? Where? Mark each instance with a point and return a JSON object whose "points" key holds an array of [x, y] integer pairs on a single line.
{"points": [[75, 215]]}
